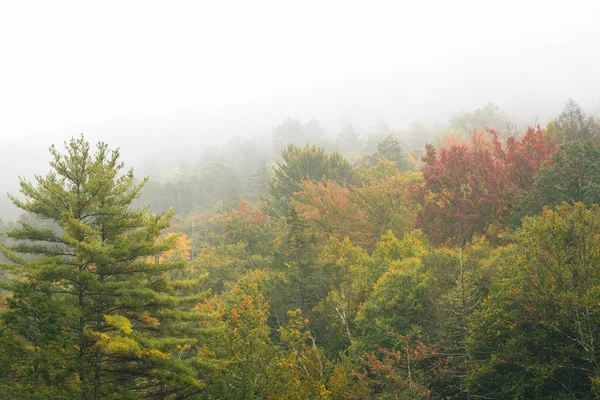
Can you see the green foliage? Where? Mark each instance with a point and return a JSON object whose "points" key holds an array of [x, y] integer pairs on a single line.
{"points": [[300, 164], [536, 336], [349, 285], [108, 307], [387, 202], [401, 300], [296, 257], [388, 149], [572, 175]]}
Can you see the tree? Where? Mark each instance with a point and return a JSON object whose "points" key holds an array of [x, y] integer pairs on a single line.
{"points": [[402, 371], [330, 212], [247, 225], [387, 202], [571, 175], [491, 116], [244, 343], [300, 164], [525, 156], [293, 131], [262, 362], [573, 124], [400, 301], [388, 149], [259, 181], [466, 189], [347, 265], [296, 256], [93, 312], [181, 250], [469, 191], [469, 186], [208, 188], [537, 334]]}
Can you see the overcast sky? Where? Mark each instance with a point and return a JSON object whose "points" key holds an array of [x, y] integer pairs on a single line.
{"points": [[176, 74]]}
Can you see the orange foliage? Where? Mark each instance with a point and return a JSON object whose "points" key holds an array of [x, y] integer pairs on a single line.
{"points": [[330, 212], [180, 252]]}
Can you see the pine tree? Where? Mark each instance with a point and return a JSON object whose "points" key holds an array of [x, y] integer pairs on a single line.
{"points": [[93, 311]]}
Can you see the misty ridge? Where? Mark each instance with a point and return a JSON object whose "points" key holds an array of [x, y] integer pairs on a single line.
{"points": [[190, 174]]}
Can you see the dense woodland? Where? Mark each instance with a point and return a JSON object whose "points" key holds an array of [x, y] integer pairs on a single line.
{"points": [[352, 267]]}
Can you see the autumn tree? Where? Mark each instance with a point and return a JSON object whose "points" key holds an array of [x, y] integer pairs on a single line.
{"points": [[244, 343], [261, 361], [300, 164], [402, 371], [469, 186], [470, 190], [93, 312], [329, 210], [181, 251], [387, 202], [465, 190], [246, 224]]}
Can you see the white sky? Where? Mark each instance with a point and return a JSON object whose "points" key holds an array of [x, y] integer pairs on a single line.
{"points": [[144, 73]]}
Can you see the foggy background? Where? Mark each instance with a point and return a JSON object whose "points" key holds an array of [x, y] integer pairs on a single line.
{"points": [[167, 79]]}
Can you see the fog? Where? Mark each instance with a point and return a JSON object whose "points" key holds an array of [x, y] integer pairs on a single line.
{"points": [[167, 79]]}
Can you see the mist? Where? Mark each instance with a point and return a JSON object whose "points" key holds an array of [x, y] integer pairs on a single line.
{"points": [[171, 81]]}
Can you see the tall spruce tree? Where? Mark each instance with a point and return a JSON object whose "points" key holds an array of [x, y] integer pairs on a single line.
{"points": [[92, 312]]}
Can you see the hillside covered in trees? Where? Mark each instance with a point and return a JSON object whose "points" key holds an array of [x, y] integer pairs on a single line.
{"points": [[344, 267]]}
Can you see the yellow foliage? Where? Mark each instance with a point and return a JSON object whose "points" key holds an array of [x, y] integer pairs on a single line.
{"points": [[158, 353], [181, 251], [119, 322], [120, 345]]}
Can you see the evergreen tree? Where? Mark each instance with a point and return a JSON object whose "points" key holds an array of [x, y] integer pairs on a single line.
{"points": [[387, 149], [573, 124], [93, 313]]}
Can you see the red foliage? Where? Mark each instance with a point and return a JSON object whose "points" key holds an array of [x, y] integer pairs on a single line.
{"points": [[525, 156], [407, 369], [244, 224], [471, 185]]}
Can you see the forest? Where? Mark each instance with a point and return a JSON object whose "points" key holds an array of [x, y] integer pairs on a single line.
{"points": [[461, 263]]}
